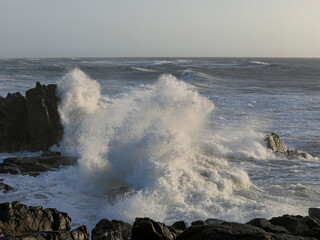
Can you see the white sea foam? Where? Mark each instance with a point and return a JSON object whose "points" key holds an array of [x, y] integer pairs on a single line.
{"points": [[148, 140]]}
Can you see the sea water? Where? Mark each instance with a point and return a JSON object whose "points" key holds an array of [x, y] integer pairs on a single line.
{"points": [[175, 139]]}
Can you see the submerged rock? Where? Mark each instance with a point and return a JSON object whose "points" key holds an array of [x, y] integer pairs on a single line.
{"points": [[5, 187], [31, 122], [277, 145], [35, 165], [18, 221]]}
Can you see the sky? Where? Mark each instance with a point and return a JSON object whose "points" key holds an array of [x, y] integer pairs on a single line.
{"points": [[159, 28]]}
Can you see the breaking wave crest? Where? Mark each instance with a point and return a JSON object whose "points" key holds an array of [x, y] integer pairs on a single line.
{"points": [[142, 148]]}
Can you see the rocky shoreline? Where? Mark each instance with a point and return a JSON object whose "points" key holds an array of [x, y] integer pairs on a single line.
{"points": [[18, 221], [33, 123]]}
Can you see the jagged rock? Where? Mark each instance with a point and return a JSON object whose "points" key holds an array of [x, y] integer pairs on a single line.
{"points": [[224, 231], [31, 122], [146, 229], [13, 118], [267, 226], [115, 230], [298, 225], [44, 126], [275, 143], [180, 225], [18, 221], [33, 165], [5, 187], [282, 236]]}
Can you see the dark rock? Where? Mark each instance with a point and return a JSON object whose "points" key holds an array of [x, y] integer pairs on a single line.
{"points": [[282, 236], [224, 231], [31, 122], [13, 118], [314, 213], [80, 233], [180, 225], [32, 165], [5, 187], [44, 125], [198, 222], [275, 143], [267, 226], [298, 225], [115, 230], [214, 221], [19, 219], [147, 229]]}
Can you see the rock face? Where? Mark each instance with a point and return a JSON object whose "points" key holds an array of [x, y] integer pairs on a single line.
{"points": [[18, 221], [34, 165], [115, 230], [31, 123], [146, 229], [277, 145]]}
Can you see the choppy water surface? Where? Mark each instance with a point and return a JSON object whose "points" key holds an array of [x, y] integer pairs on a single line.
{"points": [[176, 139]]}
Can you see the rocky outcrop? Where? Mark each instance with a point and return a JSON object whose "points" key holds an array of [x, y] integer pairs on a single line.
{"points": [[48, 161], [274, 143], [146, 229], [31, 122], [18, 221], [115, 230], [4, 187]]}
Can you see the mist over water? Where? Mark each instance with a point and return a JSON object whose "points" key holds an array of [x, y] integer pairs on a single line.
{"points": [[178, 139]]}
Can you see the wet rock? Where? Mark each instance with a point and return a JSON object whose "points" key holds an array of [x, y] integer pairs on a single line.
{"points": [[34, 165], [314, 213], [146, 229], [18, 221], [5, 187], [180, 225], [282, 236], [275, 143], [80, 233], [214, 221], [298, 225], [31, 122], [44, 125], [115, 230], [267, 226], [198, 222], [13, 118], [224, 231]]}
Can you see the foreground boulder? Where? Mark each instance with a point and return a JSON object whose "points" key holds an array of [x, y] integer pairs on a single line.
{"points": [[48, 161], [146, 229], [115, 230], [18, 221], [31, 122], [274, 143]]}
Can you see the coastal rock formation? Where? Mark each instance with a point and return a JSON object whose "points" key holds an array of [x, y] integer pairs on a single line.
{"points": [[31, 122], [277, 145], [18, 221], [48, 161], [116, 230], [4, 187]]}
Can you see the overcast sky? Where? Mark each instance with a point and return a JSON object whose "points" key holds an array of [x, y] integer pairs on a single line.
{"points": [[163, 28]]}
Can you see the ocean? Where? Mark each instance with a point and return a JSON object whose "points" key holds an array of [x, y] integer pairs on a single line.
{"points": [[175, 138]]}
